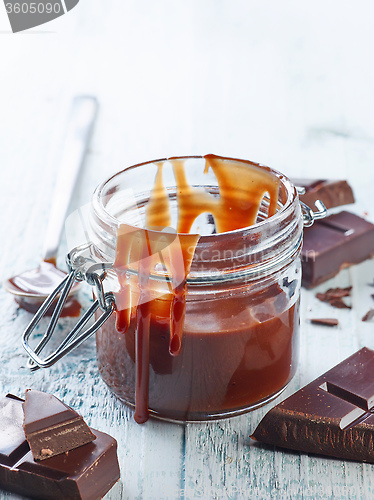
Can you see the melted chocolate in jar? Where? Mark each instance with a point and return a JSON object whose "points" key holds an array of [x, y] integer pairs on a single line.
{"points": [[185, 343]]}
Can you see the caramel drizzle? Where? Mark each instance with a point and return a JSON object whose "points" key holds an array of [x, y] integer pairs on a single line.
{"points": [[158, 208], [178, 261], [192, 201], [241, 191], [143, 320]]}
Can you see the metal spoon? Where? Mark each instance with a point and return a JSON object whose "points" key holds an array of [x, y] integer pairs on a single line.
{"points": [[30, 288]]}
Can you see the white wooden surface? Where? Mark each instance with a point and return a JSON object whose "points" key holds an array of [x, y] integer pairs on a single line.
{"points": [[289, 84]]}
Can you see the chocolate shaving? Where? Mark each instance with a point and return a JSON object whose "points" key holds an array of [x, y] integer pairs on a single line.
{"points": [[325, 321], [334, 293], [339, 304], [335, 297], [369, 315]]}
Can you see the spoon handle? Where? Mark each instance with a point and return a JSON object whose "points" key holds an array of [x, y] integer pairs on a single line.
{"points": [[78, 133]]}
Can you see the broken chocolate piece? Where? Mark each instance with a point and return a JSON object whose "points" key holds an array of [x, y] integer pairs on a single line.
{"points": [[369, 315], [339, 304], [332, 193], [51, 427], [335, 297], [333, 243], [334, 293], [325, 321], [333, 415], [86, 473]]}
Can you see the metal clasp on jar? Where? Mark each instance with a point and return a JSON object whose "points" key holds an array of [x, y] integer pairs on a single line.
{"points": [[308, 215], [83, 267]]}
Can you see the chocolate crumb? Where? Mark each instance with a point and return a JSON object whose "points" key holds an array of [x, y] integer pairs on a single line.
{"points": [[334, 293], [325, 321], [321, 297], [46, 452], [335, 297], [369, 315]]}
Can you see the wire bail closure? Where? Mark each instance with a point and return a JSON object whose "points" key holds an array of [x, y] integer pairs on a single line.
{"points": [[83, 267], [308, 215]]}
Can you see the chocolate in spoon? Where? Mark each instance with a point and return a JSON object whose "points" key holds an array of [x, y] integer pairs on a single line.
{"points": [[31, 288]]}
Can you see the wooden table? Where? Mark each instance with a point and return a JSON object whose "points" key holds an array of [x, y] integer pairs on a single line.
{"points": [[282, 83]]}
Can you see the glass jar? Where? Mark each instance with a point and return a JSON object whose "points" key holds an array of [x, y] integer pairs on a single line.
{"points": [[240, 341]]}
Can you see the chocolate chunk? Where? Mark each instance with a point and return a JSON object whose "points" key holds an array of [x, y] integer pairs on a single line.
{"points": [[334, 243], [325, 321], [51, 427], [332, 193], [333, 415], [369, 315], [88, 472], [339, 304], [334, 293]]}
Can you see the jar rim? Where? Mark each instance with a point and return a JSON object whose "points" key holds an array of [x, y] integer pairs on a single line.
{"points": [[104, 215]]}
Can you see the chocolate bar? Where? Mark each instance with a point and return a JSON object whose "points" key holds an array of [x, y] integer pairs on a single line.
{"points": [[332, 193], [51, 427], [333, 415], [88, 472], [333, 243]]}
